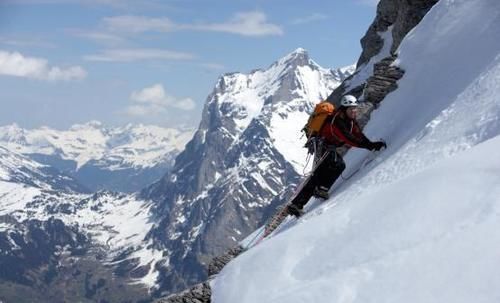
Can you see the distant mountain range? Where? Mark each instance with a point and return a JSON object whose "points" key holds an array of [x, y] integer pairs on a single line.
{"points": [[55, 240], [124, 159]]}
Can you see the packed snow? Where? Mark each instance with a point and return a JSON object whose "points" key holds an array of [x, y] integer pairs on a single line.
{"points": [[420, 222]]}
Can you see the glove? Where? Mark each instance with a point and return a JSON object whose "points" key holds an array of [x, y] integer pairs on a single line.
{"points": [[310, 146], [376, 146]]}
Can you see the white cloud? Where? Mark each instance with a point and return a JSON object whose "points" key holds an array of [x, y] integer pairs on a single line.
{"points": [[15, 64], [135, 54], [245, 23], [154, 100], [185, 104], [213, 66], [152, 95], [310, 18], [28, 41], [96, 36], [138, 24]]}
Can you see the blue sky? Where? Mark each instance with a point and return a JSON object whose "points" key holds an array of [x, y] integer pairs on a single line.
{"points": [[66, 61]]}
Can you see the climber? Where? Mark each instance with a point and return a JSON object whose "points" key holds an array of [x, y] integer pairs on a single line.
{"points": [[339, 129]]}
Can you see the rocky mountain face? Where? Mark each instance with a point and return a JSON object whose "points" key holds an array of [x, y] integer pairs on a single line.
{"points": [[375, 74], [124, 159], [244, 160], [49, 261], [58, 244], [401, 16]]}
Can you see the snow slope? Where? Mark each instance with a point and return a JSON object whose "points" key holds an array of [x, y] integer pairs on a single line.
{"points": [[420, 223]]}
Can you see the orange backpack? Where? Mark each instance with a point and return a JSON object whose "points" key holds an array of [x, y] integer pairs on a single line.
{"points": [[317, 118]]}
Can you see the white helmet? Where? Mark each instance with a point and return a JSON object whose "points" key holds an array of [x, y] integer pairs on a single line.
{"points": [[349, 100]]}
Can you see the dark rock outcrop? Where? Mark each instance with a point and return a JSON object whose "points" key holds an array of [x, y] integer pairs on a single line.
{"points": [[220, 261], [402, 15], [383, 81], [200, 293]]}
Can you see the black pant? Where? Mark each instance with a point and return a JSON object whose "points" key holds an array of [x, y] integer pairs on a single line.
{"points": [[327, 170]]}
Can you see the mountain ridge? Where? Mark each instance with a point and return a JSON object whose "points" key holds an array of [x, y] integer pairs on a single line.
{"points": [[121, 158]]}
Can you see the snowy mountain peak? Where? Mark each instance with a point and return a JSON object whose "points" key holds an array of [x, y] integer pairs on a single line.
{"points": [[298, 57], [93, 124], [291, 82], [300, 50], [246, 151], [12, 133]]}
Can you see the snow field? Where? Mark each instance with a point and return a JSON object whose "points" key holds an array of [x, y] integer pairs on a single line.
{"points": [[420, 223]]}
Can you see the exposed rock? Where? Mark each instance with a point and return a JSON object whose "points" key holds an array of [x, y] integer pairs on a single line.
{"points": [[402, 15], [383, 81], [220, 261], [200, 293]]}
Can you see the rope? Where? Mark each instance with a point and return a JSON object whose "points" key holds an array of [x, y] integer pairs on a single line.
{"points": [[308, 158], [250, 244]]}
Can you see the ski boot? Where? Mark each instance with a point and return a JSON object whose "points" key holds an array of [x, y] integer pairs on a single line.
{"points": [[295, 210], [321, 192]]}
